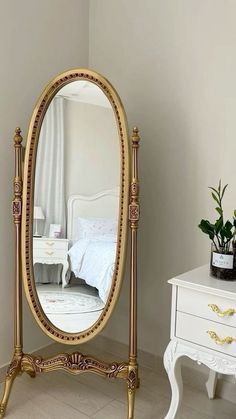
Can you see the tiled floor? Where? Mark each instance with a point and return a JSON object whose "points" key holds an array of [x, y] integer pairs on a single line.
{"points": [[62, 396]]}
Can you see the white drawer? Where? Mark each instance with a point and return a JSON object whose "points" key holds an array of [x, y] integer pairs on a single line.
{"points": [[50, 244], [197, 303], [50, 253], [194, 329]]}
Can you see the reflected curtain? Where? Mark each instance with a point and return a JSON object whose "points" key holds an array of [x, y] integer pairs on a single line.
{"points": [[50, 181]]}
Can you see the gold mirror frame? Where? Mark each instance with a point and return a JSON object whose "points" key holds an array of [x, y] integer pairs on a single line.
{"points": [[74, 363], [28, 198]]}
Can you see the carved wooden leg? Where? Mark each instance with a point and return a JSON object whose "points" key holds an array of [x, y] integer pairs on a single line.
{"points": [[131, 400], [173, 369], [211, 384], [133, 384], [64, 273], [6, 394], [13, 371]]}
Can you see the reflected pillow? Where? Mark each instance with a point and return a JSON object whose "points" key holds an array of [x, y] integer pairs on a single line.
{"points": [[89, 228]]}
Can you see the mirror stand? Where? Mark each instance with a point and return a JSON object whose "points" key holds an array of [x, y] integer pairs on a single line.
{"points": [[74, 363]]}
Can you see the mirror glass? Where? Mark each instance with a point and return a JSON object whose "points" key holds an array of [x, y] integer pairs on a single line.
{"points": [[76, 206]]}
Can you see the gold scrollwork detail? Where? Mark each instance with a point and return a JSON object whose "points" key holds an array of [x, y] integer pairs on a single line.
{"points": [[16, 208], [133, 212], [220, 313], [220, 341], [14, 368], [18, 187], [134, 188], [74, 363], [2, 409], [132, 380]]}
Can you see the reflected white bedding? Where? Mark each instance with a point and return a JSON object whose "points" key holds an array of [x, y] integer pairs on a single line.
{"points": [[93, 260]]}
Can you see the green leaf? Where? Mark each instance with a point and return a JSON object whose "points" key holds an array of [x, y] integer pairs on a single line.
{"points": [[214, 190], [223, 191], [215, 198], [235, 213], [222, 233], [219, 187], [228, 225], [219, 210], [218, 225], [207, 228], [235, 222], [226, 231]]}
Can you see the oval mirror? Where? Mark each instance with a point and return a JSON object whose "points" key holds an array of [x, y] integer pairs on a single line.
{"points": [[75, 205]]}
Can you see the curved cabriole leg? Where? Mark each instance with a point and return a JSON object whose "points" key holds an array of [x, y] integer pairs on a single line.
{"points": [[211, 384], [173, 369], [13, 371], [64, 274], [133, 384], [7, 390]]}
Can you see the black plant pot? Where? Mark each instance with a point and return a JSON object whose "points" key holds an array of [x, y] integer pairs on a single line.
{"points": [[223, 264]]}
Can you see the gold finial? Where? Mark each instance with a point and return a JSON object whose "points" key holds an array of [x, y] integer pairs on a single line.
{"points": [[135, 135], [17, 137]]}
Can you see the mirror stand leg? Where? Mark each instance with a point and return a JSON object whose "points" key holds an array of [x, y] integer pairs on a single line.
{"points": [[133, 384], [13, 371], [15, 367], [131, 400]]}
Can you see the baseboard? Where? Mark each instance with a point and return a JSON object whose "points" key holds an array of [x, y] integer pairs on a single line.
{"points": [[194, 375]]}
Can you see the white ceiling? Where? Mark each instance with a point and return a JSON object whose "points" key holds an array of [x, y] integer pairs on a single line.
{"points": [[85, 92]]}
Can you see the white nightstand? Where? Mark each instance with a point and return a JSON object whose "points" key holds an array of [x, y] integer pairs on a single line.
{"points": [[52, 251], [203, 328]]}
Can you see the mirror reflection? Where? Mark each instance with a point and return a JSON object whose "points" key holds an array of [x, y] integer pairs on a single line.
{"points": [[76, 206]]}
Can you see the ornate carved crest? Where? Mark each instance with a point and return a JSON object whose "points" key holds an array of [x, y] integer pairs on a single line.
{"points": [[74, 363]]}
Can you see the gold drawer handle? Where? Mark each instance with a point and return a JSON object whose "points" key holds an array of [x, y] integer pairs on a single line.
{"points": [[220, 313], [49, 253], [50, 243], [219, 341]]}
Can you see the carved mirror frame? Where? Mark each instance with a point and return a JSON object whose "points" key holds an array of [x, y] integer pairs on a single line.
{"points": [[28, 198], [74, 363]]}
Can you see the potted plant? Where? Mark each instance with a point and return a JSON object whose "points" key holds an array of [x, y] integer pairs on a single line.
{"points": [[222, 235]]}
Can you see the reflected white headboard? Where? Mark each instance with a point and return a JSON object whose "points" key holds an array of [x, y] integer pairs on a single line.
{"points": [[102, 205]]}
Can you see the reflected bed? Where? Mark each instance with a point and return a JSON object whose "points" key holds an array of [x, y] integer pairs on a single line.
{"points": [[94, 238]]}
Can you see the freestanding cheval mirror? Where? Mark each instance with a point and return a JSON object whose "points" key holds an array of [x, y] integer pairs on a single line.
{"points": [[71, 213]]}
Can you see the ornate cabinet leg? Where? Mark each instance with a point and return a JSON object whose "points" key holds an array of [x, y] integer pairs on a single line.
{"points": [[211, 384], [133, 383], [173, 368], [65, 268]]}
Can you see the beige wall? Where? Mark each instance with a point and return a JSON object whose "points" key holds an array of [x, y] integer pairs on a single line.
{"points": [[91, 149], [38, 39], [173, 64]]}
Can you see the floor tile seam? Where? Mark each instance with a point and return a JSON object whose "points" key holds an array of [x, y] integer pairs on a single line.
{"points": [[70, 405], [206, 413], [43, 392], [101, 408], [183, 404], [77, 379]]}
